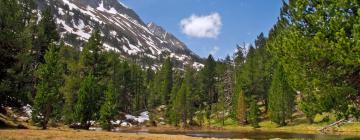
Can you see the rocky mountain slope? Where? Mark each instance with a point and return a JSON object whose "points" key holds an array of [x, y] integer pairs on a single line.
{"points": [[122, 29]]}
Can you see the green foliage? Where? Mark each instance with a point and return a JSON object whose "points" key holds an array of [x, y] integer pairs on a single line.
{"points": [[86, 108], [241, 108], [15, 40], [109, 108], [313, 49], [281, 98], [46, 33], [48, 97], [317, 43], [183, 99], [207, 86], [167, 81], [254, 113], [69, 56], [92, 59]]}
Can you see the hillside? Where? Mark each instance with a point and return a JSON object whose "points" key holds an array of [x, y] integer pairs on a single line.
{"points": [[122, 30]]}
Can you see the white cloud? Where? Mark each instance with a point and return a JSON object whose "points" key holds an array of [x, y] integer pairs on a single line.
{"points": [[208, 26], [214, 50]]}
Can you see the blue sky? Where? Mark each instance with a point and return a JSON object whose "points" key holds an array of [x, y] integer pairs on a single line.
{"points": [[226, 22]]}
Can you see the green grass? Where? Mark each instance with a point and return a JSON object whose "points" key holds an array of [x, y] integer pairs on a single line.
{"points": [[300, 126]]}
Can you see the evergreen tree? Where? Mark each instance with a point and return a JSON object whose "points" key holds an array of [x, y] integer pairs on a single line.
{"points": [[70, 57], [316, 42], [208, 81], [281, 98], [241, 107], [46, 32], [109, 108], [172, 111], [126, 90], [14, 37], [254, 113], [86, 105], [238, 97], [138, 88], [50, 80], [92, 59], [116, 78], [167, 80]]}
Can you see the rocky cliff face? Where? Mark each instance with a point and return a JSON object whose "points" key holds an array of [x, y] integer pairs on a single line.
{"points": [[122, 29]]}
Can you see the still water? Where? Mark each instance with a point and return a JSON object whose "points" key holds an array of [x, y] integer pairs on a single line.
{"points": [[258, 135]]}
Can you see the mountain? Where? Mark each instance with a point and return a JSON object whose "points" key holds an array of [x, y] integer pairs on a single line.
{"points": [[122, 30]]}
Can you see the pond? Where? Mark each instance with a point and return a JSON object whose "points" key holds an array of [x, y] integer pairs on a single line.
{"points": [[256, 134]]}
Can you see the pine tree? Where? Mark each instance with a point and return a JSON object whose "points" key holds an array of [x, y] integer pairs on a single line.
{"points": [[281, 98], [109, 108], [167, 80], [70, 57], [254, 113], [241, 107], [208, 92], [13, 40], [221, 102], [46, 32], [50, 80], [116, 78], [92, 59], [86, 105], [126, 90], [138, 87], [238, 98], [172, 111], [180, 106], [319, 54]]}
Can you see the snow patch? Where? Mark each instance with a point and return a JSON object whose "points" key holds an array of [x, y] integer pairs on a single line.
{"points": [[198, 65], [27, 109], [61, 11], [144, 116], [113, 33], [110, 48], [103, 9], [79, 32]]}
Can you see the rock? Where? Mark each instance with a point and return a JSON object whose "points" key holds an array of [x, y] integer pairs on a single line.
{"points": [[162, 123], [126, 124]]}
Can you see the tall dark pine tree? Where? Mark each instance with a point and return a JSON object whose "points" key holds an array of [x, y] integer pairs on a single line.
{"points": [[167, 80], [264, 66], [254, 113], [173, 112], [109, 108], [238, 104], [70, 57], [208, 82], [281, 98], [46, 32], [14, 17], [93, 67], [126, 90], [86, 105], [48, 97], [92, 59]]}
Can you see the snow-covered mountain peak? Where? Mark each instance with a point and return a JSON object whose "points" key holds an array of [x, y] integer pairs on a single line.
{"points": [[122, 29]]}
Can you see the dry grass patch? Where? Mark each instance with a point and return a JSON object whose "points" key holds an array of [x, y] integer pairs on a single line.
{"points": [[84, 135]]}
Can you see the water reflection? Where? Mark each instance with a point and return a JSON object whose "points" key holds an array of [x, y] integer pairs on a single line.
{"points": [[256, 134]]}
